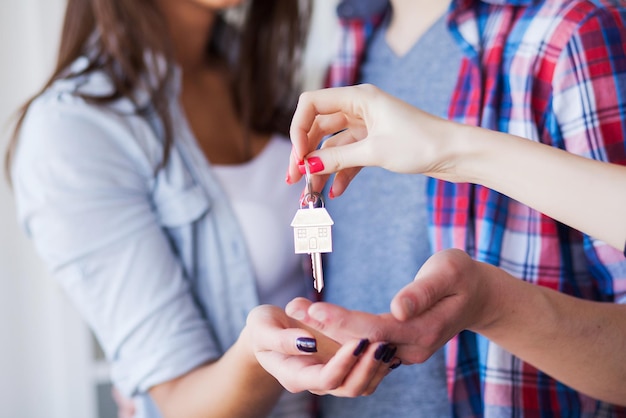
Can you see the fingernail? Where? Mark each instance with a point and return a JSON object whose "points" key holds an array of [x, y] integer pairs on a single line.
{"points": [[395, 364], [380, 351], [389, 354], [315, 165], [361, 347], [288, 178], [306, 345], [409, 306], [331, 193]]}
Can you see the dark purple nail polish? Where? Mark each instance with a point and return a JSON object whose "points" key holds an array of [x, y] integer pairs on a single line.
{"points": [[361, 347], [389, 354], [306, 345], [395, 364], [381, 350]]}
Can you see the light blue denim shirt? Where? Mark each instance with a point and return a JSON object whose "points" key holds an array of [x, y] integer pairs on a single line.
{"points": [[154, 259]]}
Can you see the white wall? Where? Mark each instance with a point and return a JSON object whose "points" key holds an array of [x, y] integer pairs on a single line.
{"points": [[44, 349]]}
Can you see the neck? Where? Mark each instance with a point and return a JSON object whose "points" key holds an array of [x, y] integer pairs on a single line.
{"points": [[190, 27], [410, 20]]}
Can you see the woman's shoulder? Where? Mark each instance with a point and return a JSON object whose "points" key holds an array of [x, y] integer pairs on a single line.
{"points": [[81, 90], [62, 122]]}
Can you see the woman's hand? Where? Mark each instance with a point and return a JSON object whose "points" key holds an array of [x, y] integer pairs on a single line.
{"points": [[368, 128], [125, 406], [303, 359]]}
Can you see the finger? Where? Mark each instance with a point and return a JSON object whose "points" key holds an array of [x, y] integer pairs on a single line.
{"points": [[268, 316], [431, 284], [342, 325], [291, 341], [297, 308], [383, 372], [342, 364], [385, 366], [320, 102], [319, 178], [343, 152], [324, 126], [341, 181], [293, 173], [317, 181], [273, 330], [368, 372], [344, 176], [313, 373]]}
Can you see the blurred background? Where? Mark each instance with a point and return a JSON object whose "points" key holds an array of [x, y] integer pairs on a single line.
{"points": [[50, 367]]}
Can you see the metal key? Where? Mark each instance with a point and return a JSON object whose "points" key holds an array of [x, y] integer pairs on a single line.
{"points": [[312, 231], [318, 273]]}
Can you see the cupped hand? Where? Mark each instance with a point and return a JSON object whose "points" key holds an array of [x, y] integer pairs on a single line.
{"points": [[321, 365], [447, 296]]}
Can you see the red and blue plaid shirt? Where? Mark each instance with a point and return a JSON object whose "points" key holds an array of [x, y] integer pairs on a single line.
{"points": [[553, 72]]}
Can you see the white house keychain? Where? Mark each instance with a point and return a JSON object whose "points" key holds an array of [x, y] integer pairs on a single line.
{"points": [[312, 230]]}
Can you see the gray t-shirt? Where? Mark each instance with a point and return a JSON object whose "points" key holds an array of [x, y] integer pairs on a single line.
{"points": [[380, 234]]}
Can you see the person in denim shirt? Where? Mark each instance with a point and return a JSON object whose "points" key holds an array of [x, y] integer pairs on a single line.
{"points": [[147, 174]]}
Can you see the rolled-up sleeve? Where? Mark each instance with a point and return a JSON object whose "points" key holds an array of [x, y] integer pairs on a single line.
{"points": [[83, 190]]}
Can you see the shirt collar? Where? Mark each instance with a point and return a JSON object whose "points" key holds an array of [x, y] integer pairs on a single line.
{"points": [[364, 9]]}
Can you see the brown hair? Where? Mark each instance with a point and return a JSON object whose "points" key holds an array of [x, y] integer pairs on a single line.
{"points": [[269, 41]]}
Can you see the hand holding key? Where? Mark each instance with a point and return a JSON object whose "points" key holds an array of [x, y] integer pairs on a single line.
{"points": [[312, 230]]}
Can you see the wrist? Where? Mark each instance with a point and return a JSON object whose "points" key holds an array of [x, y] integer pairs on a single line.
{"points": [[494, 298], [453, 152], [244, 348]]}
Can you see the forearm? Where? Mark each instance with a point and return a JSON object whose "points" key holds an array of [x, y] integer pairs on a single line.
{"points": [[588, 195], [578, 342], [233, 386]]}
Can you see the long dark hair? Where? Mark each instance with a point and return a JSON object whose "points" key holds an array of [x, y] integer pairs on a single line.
{"points": [[268, 40]]}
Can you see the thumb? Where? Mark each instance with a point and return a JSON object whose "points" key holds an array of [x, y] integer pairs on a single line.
{"points": [[433, 282], [342, 152], [346, 160]]}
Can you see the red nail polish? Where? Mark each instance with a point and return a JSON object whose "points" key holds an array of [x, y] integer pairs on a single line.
{"points": [[315, 164], [301, 168], [331, 194]]}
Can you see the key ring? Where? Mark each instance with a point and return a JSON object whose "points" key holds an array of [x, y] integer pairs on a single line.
{"points": [[311, 198]]}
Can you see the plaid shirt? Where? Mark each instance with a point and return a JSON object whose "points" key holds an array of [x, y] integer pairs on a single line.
{"points": [[553, 72]]}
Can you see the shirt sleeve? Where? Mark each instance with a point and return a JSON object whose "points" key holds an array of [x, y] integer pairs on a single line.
{"points": [[82, 185], [590, 107]]}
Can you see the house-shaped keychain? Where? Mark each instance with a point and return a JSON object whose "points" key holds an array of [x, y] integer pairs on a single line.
{"points": [[312, 231]]}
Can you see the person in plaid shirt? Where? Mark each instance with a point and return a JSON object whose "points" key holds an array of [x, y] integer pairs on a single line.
{"points": [[553, 72]]}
